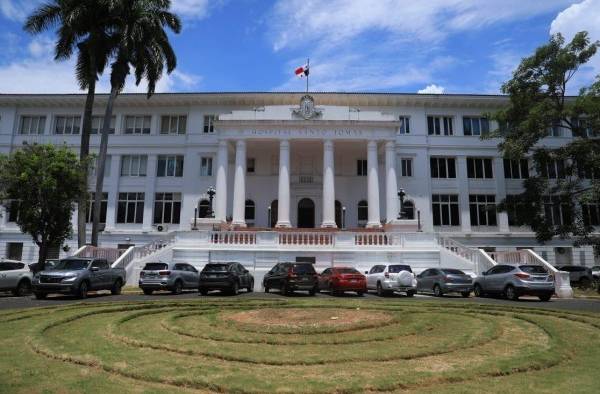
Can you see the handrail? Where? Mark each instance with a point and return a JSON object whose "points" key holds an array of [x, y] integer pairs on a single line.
{"points": [[562, 279], [125, 258]]}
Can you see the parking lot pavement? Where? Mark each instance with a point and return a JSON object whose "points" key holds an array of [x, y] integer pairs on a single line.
{"points": [[7, 301]]}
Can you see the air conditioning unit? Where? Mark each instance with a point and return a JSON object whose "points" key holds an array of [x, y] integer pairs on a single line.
{"points": [[161, 227]]}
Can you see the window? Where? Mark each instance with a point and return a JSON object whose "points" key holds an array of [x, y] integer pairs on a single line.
{"points": [[515, 210], [585, 170], [249, 212], [476, 125], [32, 125], [250, 165], [170, 166], [13, 210], [134, 165], [94, 165], [404, 125], [167, 208], [130, 208], [406, 165], [361, 167], [206, 166], [516, 169], [557, 211], [208, 123], [439, 125], [173, 124], [556, 129], [67, 125], [583, 127], [14, 250], [442, 167], [479, 168], [203, 208], [445, 210], [97, 124], [89, 213], [591, 214], [553, 169], [363, 211], [138, 124], [483, 209]]}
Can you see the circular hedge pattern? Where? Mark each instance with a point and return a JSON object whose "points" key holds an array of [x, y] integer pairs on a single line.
{"points": [[296, 346]]}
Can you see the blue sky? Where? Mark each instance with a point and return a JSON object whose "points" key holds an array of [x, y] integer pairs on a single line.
{"points": [[451, 46]]}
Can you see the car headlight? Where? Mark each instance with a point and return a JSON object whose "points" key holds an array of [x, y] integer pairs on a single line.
{"points": [[69, 279]]}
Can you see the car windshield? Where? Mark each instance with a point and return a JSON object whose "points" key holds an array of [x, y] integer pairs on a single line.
{"points": [[303, 269], [72, 264], [533, 269], [452, 272], [399, 268], [216, 267], [346, 271], [155, 266]]}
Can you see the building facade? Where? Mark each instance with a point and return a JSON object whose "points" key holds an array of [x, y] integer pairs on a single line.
{"points": [[283, 161]]}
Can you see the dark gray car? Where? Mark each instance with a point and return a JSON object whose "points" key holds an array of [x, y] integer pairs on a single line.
{"points": [[579, 275], [174, 277], [513, 281], [440, 281]]}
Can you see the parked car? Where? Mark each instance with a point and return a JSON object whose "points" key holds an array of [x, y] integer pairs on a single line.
{"points": [[513, 281], [440, 281], [77, 276], [289, 277], [230, 277], [15, 277], [596, 272], [387, 279], [50, 264], [578, 274], [338, 280], [174, 277]]}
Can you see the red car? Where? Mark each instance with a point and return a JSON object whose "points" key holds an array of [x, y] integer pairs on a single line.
{"points": [[337, 280]]}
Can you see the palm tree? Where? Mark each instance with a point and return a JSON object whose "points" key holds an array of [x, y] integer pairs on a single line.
{"points": [[145, 47], [82, 26]]}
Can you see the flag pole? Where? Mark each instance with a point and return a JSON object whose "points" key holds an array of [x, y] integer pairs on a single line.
{"points": [[308, 69]]}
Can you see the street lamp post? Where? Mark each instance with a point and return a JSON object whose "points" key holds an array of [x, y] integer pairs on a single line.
{"points": [[401, 195], [211, 194]]}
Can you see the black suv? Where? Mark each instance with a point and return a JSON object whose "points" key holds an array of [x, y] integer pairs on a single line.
{"points": [[225, 277], [578, 274], [288, 277]]}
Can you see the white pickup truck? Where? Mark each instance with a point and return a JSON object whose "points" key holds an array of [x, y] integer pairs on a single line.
{"points": [[387, 279]]}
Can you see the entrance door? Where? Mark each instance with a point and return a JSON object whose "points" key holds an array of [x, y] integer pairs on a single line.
{"points": [[306, 213]]}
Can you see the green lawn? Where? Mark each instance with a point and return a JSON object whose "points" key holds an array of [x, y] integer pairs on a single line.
{"points": [[297, 345]]}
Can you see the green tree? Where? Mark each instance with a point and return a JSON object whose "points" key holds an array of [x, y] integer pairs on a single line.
{"points": [[555, 201], [85, 27], [144, 46], [46, 180]]}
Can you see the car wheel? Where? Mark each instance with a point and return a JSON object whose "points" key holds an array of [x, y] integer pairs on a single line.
{"points": [[235, 288], [410, 293], [148, 291], [203, 291], [313, 291], [585, 283], [380, 291], [177, 288], [40, 296], [117, 286], [332, 290], [478, 291], [251, 287], [510, 293], [82, 292], [437, 291], [465, 294], [360, 293], [283, 289], [266, 289], [23, 288], [545, 298]]}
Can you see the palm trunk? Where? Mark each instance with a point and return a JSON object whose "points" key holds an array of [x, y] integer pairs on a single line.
{"points": [[84, 151], [101, 164]]}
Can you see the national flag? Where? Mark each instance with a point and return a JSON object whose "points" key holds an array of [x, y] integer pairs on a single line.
{"points": [[302, 71]]}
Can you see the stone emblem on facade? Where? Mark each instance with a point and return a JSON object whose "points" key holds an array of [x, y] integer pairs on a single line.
{"points": [[307, 108]]}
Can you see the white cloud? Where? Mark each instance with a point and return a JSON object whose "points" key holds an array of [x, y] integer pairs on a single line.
{"points": [[192, 9], [432, 89], [41, 46], [17, 10]]}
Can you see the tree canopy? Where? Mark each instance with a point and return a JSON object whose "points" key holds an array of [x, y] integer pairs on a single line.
{"points": [[46, 181], [561, 198]]}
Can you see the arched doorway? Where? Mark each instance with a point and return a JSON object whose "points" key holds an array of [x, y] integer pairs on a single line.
{"points": [[306, 213], [338, 214], [274, 213]]}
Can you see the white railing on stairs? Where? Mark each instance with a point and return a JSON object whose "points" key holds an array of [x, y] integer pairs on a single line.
{"points": [[110, 254]]}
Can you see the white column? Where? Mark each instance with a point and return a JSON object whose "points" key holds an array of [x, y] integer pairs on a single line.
{"points": [[239, 185], [283, 198], [392, 203], [501, 193], [373, 185], [112, 186], [221, 181], [328, 185], [463, 197], [149, 192]]}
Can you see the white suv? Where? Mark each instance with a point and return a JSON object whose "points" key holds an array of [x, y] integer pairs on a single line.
{"points": [[16, 277], [389, 278]]}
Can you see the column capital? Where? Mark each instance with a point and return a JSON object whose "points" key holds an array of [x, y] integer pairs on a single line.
{"points": [[372, 144], [390, 145], [328, 144], [223, 143], [240, 144], [284, 144]]}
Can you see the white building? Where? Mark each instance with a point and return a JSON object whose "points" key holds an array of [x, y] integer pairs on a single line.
{"points": [[337, 162]]}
